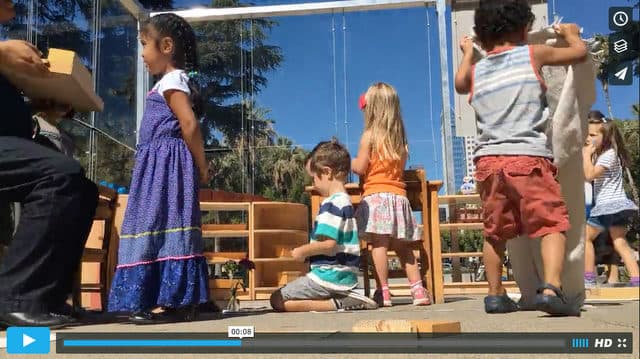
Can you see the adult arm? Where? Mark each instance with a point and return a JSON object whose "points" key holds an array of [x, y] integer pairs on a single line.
{"points": [[18, 56]]}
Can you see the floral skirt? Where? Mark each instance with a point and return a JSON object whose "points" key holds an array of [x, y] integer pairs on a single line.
{"points": [[387, 214]]}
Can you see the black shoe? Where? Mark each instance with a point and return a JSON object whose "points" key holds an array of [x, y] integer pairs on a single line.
{"points": [[494, 304], [32, 320], [182, 314], [144, 318], [555, 305]]}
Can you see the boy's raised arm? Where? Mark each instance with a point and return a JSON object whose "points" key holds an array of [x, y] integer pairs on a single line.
{"points": [[575, 53], [463, 76]]}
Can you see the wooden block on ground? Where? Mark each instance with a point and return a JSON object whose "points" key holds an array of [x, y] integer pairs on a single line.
{"points": [[612, 294], [407, 326]]}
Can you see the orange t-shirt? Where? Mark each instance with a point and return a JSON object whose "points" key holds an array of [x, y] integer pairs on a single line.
{"points": [[384, 176]]}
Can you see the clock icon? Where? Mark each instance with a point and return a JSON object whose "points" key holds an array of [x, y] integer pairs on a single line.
{"points": [[620, 18]]}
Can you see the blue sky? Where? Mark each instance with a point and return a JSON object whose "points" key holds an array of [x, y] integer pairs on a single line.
{"points": [[388, 46]]}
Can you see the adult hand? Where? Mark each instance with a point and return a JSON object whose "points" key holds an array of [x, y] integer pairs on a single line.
{"points": [[21, 57]]}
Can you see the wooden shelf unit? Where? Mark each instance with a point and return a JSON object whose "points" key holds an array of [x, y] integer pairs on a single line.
{"points": [[270, 228], [276, 228]]}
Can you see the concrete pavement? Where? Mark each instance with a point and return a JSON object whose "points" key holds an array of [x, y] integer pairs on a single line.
{"points": [[621, 317]]}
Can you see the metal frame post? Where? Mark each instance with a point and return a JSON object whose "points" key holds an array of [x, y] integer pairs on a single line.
{"points": [[441, 11]]}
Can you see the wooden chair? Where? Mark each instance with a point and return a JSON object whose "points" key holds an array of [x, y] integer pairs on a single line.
{"points": [[419, 198], [105, 212], [417, 195]]}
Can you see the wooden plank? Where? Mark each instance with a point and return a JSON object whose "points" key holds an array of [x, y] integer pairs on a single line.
{"points": [[107, 193], [436, 243], [271, 260], [612, 294], [224, 206], [460, 199], [224, 256], [281, 232], [228, 234], [482, 284], [461, 254], [224, 227], [461, 226], [407, 326], [103, 212]]}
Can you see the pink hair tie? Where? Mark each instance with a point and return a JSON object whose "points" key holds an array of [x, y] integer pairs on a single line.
{"points": [[362, 102]]}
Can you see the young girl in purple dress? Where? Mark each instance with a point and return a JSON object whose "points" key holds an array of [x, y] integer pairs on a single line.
{"points": [[160, 260]]}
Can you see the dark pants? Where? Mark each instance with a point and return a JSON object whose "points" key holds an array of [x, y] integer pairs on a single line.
{"points": [[58, 205]]}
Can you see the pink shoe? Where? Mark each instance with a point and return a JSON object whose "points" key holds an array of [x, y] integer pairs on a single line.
{"points": [[420, 295], [382, 297]]}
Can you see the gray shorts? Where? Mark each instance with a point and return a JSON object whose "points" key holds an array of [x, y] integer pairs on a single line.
{"points": [[305, 288]]}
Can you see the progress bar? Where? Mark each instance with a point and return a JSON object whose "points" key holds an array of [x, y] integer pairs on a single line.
{"points": [[150, 343], [341, 342]]}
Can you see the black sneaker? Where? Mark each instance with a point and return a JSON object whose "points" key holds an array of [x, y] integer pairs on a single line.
{"points": [[354, 301], [494, 304]]}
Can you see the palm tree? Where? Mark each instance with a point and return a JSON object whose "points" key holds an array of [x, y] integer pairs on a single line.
{"points": [[601, 57]]}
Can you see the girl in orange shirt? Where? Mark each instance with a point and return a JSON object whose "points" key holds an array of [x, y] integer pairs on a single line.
{"points": [[384, 215]]}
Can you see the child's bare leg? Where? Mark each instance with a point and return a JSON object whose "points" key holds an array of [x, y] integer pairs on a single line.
{"points": [[613, 273], [316, 305], [622, 247], [492, 256], [306, 305], [589, 251], [379, 255], [408, 261], [552, 248], [410, 264]]}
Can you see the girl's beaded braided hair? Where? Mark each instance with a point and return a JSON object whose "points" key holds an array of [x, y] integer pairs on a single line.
{"points": [[185, 55]]}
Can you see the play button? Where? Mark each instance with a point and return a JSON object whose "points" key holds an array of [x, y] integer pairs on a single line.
{"points": [[28, 340]]}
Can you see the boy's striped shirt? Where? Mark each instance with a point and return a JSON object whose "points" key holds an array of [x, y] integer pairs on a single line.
{"points": [[336, 220]]}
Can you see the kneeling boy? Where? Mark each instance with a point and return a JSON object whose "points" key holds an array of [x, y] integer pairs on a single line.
{"points": [[334, 250]]}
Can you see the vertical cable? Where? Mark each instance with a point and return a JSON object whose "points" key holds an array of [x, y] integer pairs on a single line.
{"points": [[253, 119], [242, 104], [344, 76], [335, 80]]}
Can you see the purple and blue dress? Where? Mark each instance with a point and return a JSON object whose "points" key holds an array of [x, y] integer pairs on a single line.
{"points": [[160, 257]]}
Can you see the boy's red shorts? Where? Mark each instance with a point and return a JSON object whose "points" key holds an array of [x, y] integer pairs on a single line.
{"points": [[520, 195]]}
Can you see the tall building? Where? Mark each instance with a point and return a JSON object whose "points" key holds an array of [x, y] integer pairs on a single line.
{"points": [[470, 144], [459, 157]]}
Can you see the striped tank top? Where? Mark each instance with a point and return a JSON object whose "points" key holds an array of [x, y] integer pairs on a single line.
{"points": [[507, 94]]}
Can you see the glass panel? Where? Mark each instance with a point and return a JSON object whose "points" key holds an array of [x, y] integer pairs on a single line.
{"points": [[65, 25], [80, 134], [18, 28], [116, 83], [379, 53], [114, 162]]}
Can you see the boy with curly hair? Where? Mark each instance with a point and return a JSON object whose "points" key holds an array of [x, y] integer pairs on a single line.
{"points": [[514, 162]]}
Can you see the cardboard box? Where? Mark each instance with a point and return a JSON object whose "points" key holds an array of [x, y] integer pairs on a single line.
{"points": [[68, 83]]}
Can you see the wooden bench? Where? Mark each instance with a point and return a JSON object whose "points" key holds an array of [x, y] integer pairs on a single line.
{"points": [[105, 213]]}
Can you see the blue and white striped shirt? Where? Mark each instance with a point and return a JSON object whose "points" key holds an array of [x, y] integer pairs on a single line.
{"points": [[336, 220]]}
